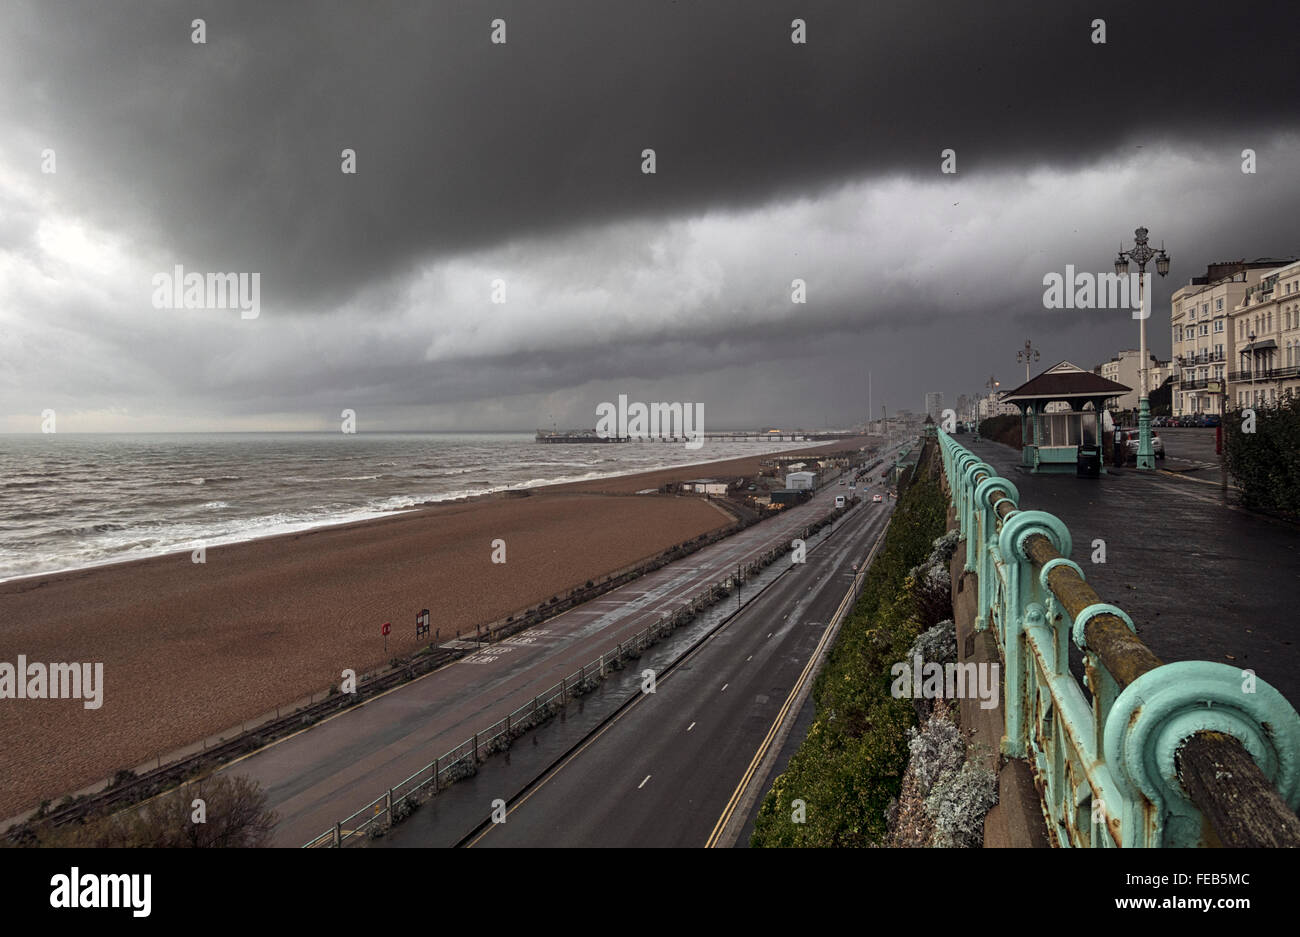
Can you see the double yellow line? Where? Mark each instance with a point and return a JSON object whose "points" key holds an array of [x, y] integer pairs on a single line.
{"points": [[759, 755]]}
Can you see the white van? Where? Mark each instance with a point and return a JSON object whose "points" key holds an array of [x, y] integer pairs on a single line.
{"points": [[839, 501]]}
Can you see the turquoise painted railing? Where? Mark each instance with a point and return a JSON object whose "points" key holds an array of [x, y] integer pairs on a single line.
{"points": [[1136, 755]]}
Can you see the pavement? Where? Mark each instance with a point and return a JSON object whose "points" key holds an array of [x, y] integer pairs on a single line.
{"points": [[661, 769], [320, 775], [1189, 450], [1201, 580]]}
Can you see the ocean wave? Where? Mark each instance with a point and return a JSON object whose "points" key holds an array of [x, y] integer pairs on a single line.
{"points": [[311, 480], [88, 529]]}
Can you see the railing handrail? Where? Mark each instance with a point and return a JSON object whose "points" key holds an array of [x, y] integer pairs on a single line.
{"points": [[1151, 751]]}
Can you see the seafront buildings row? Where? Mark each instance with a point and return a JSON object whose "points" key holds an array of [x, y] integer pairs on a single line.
{"points": [[1235, 333], [1236, 336]]}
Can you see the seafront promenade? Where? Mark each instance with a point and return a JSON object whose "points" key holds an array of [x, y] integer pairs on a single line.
{"points": [[1201, 580]]}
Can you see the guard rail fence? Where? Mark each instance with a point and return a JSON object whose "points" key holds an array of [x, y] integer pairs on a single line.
{"points": [[1143, 753]]}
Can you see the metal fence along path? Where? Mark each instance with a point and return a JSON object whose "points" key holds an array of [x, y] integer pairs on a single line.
{"points": [[1141, 753]]}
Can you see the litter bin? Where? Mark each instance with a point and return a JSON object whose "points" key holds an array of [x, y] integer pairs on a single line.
{"points": [[1088, 464]]}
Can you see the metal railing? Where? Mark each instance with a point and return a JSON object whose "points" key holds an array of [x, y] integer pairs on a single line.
{"points": [[1265, 374], [1192, 753], [463, 760]]}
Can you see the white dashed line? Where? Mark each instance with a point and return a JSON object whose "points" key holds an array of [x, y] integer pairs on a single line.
{"points": [[724, 686], [689, 727], [750, 657], [642, 784]]}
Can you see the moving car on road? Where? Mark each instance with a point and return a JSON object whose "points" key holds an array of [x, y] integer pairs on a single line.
{"points": [[877, 499]]}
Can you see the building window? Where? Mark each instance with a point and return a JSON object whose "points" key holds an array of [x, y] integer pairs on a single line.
{"points": [[1218, 325], [1205, 328]]}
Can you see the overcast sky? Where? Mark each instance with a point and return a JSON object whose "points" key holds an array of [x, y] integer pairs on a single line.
{"points": [[522, 162]]}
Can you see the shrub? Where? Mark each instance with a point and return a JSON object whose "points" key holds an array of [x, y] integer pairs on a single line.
{"points": [[236, 817], [1266, 463]]}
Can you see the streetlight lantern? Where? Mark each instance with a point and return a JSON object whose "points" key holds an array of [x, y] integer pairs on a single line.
{"points": [[1030, 353], [1142, 254]]}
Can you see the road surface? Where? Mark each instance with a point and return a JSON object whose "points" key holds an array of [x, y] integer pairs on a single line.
{"points": [[667, 767]]}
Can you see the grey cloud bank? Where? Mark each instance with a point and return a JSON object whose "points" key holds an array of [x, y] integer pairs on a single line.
{"points": [[521, 162]]}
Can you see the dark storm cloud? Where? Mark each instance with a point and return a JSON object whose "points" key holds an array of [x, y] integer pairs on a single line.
{"points": [[227, 153]]}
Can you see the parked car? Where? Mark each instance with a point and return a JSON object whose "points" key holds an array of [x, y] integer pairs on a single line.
{"points": [[1131, 440]]}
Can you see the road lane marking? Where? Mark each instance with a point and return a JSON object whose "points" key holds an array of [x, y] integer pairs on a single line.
{"points": [[750, 657], [596, 736], [689, 727], [845, 608], [642, 784], [724, 687]]}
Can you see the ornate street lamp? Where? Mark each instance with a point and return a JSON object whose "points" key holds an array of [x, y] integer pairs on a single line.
{"points": [[1030, 353], [1141, 254]]}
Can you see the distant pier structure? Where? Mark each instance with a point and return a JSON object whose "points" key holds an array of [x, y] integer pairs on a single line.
{"points": [[576, 435], [591, 436]]}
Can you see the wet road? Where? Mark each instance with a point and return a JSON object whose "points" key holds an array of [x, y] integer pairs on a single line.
{"points": [[663, 769]]}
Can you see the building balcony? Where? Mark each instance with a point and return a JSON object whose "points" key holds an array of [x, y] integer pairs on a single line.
{"points": [[1263, 374], [1209, 357]]}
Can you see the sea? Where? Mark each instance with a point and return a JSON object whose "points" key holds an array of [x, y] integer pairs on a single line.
{"points": [[70, 500]]}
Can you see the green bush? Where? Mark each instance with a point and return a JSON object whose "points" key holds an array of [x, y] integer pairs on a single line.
{"points": [[1004, 429], [1266, 463]]}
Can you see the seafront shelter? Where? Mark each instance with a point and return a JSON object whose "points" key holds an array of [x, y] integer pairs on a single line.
{"points": [[1061, 411]]}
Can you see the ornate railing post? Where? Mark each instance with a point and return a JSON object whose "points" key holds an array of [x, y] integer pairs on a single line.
{"points": [[1022, 590], [1161, 710]]}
